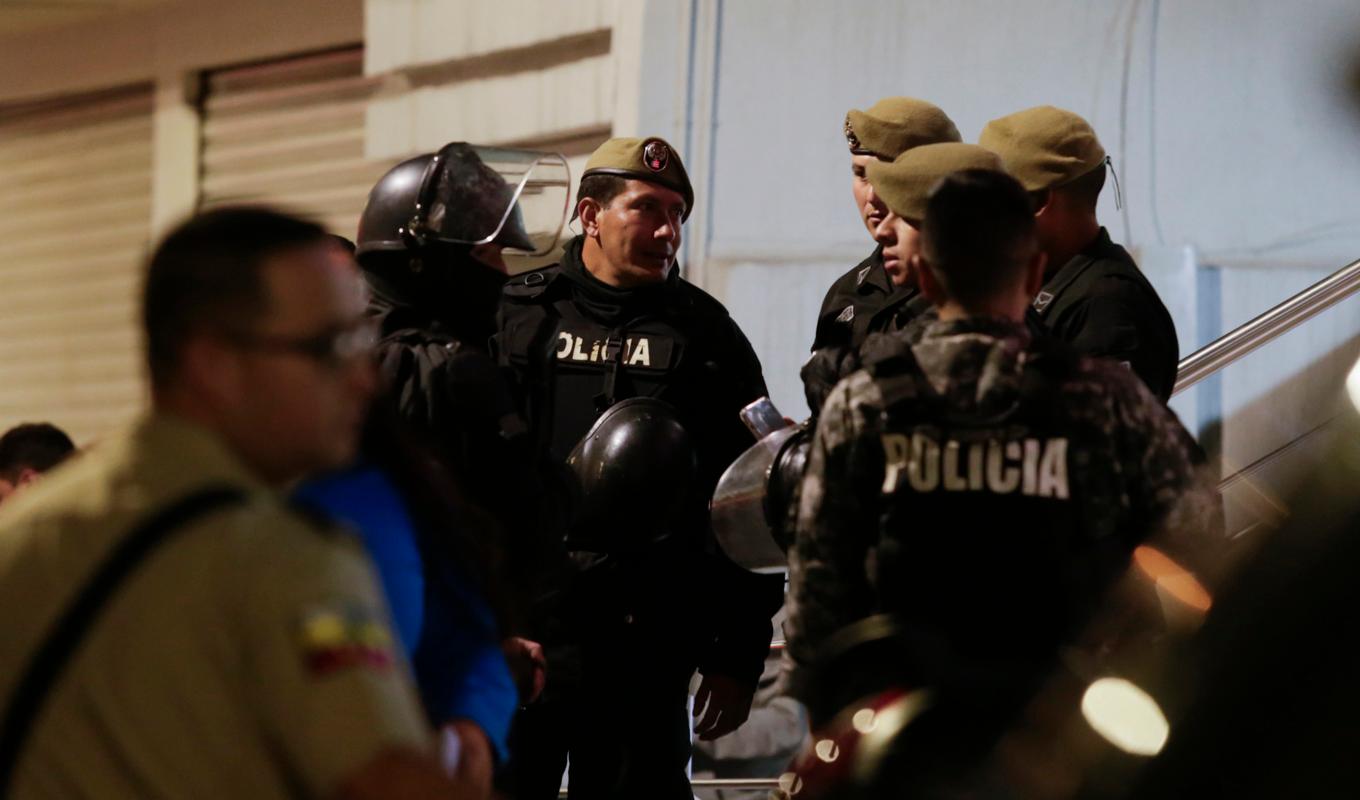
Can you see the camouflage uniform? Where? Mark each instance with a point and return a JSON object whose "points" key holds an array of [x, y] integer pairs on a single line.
{"points": [[984, 505]]}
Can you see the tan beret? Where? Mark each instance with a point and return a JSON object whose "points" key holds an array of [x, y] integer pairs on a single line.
{"points": [[1043, 147], [905, 183], [651, 159], [894, 125]]}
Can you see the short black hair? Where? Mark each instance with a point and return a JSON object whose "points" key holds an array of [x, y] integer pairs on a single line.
{"points": [[38, 446], [206, 275], [978, 234], [601, 188]]}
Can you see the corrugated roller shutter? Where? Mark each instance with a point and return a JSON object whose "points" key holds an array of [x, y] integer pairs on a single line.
{"points": [[75, 216], [291, 134]]}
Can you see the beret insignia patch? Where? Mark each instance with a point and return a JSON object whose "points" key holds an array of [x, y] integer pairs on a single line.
{"points": [[850, 135], [656, 155]]}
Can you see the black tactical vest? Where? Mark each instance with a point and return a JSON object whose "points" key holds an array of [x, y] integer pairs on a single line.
{"points": [[573, 366], [995, 535]]}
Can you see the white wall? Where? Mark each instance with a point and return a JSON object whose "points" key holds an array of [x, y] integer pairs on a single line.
{"points": [[543, 75], [1228, 121], [493, 73]]}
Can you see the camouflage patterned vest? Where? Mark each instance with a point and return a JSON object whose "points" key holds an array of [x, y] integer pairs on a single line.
{"points": [[991, 535]]}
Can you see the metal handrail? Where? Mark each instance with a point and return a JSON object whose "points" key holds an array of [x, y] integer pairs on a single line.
{"points": [[1281, 319]]}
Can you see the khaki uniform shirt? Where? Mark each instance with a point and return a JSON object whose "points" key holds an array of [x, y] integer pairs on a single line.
{"points": [[248, 656]]}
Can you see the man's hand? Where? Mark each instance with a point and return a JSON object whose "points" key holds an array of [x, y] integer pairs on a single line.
{"points": [[465, 745], [823, 370], [527, 665], [724, 703]]}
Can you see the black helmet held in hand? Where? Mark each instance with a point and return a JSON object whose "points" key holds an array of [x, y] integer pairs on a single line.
{"points": [[636, 468]]}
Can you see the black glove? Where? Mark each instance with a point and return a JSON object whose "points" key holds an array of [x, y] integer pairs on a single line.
{"points": [[823, 371]]}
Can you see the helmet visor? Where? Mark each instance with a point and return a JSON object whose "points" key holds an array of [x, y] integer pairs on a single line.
{"points": [[494, 195]]}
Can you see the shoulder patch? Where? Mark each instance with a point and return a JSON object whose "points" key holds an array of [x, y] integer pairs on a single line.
{"points": [[338, 639], [847, 315], [1041, 300], [863, 275]]}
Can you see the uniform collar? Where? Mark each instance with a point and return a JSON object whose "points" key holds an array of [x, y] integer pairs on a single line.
{"points": [[610, 304], [973, 363], [871, 277], [990, 327], [1057, 283], [898, 295], [173, 445]]}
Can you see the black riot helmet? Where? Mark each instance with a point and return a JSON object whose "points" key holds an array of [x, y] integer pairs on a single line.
{"points": [[637, 469], [467, 195]]}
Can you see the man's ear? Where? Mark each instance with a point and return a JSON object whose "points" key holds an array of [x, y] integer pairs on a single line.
{"points": [[27, 475], [588, 210], [1044, 203], [926, 279]]}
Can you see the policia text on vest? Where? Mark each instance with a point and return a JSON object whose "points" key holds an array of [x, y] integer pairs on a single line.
{"points": [[637, 351], [1032, 467]]}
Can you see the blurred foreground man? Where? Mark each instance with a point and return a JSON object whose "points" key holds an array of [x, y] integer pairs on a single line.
{"points": [[637, 378], [982, 486], [29, 450], [1093, 295], [171, 628]]}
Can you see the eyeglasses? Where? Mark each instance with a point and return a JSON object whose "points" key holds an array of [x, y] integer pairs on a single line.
{"points": [[331, 349]]}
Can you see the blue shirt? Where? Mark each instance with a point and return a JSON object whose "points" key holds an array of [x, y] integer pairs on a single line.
{"points": [[447, 630]]}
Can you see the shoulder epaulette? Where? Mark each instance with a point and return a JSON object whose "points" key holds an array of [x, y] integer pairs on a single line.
{"points": [[531, 284], [697, 299]]}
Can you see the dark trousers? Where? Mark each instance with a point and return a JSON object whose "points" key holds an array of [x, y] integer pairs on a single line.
{"points": [[627, 736]]}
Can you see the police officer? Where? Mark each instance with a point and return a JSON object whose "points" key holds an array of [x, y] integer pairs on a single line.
{"points": [[612, 341], [1093, 296], [875, 295], [982, 485], [872, 294], [430, 242], [171, 627]]}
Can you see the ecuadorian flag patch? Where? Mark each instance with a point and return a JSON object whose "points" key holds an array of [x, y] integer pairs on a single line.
{"points": [[334, 640]]}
